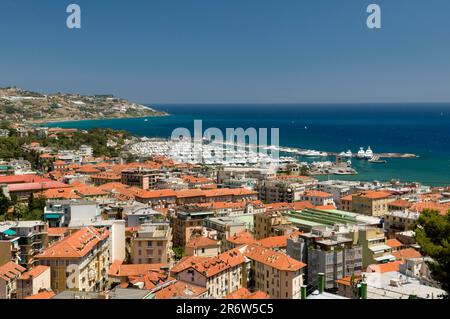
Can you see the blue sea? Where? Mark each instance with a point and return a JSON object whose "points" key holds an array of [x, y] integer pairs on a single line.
{"points": [[422, 129]]}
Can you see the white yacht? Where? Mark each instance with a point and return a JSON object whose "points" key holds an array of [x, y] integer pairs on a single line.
{"points": [[348, 154], [368, 154], [361, 153]]}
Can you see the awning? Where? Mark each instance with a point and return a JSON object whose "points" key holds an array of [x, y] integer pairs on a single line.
{"points": [[385, 257], [52, 216], [380, 248], [9, 232]]}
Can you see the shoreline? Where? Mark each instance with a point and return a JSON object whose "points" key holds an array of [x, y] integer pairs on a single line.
{"points": [[66, 120]]}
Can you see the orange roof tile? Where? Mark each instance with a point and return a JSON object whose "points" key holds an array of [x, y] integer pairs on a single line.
{"points": [[374, 194], [407, 253], [200, 241], [11, 271], [275, 259], [42, 295], [320, 194], [76, 245], [386, 267], [244, 293], [241, 238], [180, 289], [35, 272], [394, 243]]}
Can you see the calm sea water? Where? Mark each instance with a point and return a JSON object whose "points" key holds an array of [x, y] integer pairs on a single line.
{"points": [[420, 129]]}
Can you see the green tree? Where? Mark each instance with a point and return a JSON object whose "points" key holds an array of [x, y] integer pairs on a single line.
{"points": [[433, 236], [304, 170], [5, 203]]}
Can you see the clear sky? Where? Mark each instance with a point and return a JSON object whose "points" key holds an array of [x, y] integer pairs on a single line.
{"points": [[230, 51]]}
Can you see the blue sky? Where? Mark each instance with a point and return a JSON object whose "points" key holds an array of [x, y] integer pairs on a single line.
{"points": [[230, 51]]}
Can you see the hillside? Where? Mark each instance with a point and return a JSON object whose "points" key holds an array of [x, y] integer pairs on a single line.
{"points": [[18, 105]]}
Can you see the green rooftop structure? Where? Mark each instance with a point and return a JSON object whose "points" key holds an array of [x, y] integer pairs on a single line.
{"points": [[310, 218]]}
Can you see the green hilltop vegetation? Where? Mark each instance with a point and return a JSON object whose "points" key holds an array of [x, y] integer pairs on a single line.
{"points": [[23, 106]]}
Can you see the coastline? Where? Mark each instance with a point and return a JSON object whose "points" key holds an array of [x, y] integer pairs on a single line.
{"points": [[66, 120]]}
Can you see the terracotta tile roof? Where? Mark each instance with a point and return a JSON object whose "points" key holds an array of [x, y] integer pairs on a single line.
{"points": [[156, 194], [57, 231], [347, 281], [118, 269], [277, 241], [180, 289], [326, 207], [406, 253], [347, 198], [60, 193], [87, 169], [90, 191], [185, 193], [374, 194], [401, 203], [107, 176], [241, 238], [320, 194], [420, 207], [76, 245], [35, 272], [17, 179], [394, 243], [11, 271], [386, 267], [301, 205], [42, 295], [200, 241], [208, 186], [212, 265], [244, 293], [59, 163], [277, 260], [227, 191], [39, 186], [274, 207], [196, 180]]}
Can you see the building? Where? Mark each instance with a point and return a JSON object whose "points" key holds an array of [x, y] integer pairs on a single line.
{"points": [[152, 244], [264, 223], [372, 203], [274, 273], [140, 177], [10, 272], [71, 213], [399, 221], [223, 227], [220, 275], [34, 281], [202, 247], [375, 249], [9, 244], [26, 239], [185, 224], [141, 216], [284, 190], [334, 256], [318, 198], [80, 261], [338, 189]]}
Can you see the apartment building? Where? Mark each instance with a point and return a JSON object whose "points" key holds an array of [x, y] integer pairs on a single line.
{"points": [[152, 244], [223, 227], [335, 256], [140, 177], [399, 221], [220, 275], [283, 190], [34, 281], [27, 239], [71, 213], [372, 203], [9, 244], [374, 247], [185, 224], [80, 261], [264, 223], [9, 274], [318, 198], [202, 247], [274, 273], [338, 189]]}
